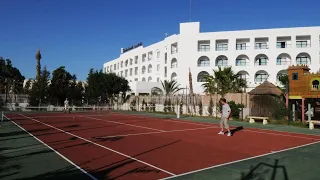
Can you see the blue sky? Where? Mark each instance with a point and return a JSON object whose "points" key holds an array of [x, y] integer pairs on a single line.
{"points": [[83, 34]]}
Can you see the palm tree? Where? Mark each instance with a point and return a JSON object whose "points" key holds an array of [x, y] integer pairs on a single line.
{"points": [[168, 88], [38, 68], [224, 81]]}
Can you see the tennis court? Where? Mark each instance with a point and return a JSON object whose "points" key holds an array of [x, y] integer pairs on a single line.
{"points": [[113, 145]]}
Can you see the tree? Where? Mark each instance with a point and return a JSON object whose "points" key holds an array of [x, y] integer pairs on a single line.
{"points": [[210, 107], [224, 81], [39, 92], [168, 88], [38, 67], [106, 87], [61, 86], [11, 80], [27, 87]]}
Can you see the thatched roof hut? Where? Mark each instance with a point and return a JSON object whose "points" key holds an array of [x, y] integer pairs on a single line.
{"points": [[266, 88], [266, 100]]}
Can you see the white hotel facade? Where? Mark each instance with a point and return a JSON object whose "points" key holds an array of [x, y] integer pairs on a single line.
{"points": [[256, 55]]}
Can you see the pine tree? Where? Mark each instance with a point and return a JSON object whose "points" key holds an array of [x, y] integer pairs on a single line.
{"points": [[200, 108]]}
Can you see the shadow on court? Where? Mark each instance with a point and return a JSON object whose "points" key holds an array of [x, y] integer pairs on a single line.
{"points": [[233, 131], [264, 171]]}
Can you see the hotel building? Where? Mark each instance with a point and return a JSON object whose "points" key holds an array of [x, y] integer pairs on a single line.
{"points": [[256, 55]]}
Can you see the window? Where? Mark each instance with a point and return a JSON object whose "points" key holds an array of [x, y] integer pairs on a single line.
{"points": [[315, 85], [241, 62], [203, 61], [222, 47], [136, 60], [126, 73], [114, 66], [158, 54], [130, 71], [204, 47], [165, 58], [121, 73], [165, 71], [302, 44], [302, 60], [243, 76], [136, 71], [222, 62], [135, 79], [261, 77], [262, 45], [158, 79], [121, 64], [131, 61], [281, 45], [158, 67], [283, 61], [295, 76], [261, 62], [241, 46]]}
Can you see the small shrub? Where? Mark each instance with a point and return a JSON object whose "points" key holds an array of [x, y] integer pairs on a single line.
{"points": [[235, 109], [133, 105], [169, 105], [200, 108], [210, 108], [165, 106], [143, 102]]}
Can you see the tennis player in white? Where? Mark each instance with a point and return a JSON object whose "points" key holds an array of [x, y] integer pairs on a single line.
{"points": [[66, 105], [226, 112]]}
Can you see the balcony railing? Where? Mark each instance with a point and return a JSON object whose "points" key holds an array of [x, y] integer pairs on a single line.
{"points": [[242, 47], [263, 46], [174, 51], [303, 45], [203, 49], [222, 49], [315, 88], [283, 46], [204, 64]]}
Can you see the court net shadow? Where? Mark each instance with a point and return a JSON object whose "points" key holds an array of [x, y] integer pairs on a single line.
{"points": [[262, 171]]}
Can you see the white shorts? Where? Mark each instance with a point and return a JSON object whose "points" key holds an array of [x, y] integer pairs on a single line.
{"points": [[65, 106]]}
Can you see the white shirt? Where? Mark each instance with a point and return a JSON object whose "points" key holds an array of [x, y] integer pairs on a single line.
{"points": [[66, 102], [225, 110]]}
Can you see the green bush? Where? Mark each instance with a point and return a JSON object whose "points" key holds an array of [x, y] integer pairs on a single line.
{"points": [[143, 103], [200, 108], [210, 108], [235, 109], [181, 107]]}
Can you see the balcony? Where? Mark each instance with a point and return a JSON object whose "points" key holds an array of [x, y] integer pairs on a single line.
{"points": [[303, 41], [222, 45], [144, 58], [284, 42], [150, 55], [203, 46], [243, 44], [261, 43], [174, 48]]}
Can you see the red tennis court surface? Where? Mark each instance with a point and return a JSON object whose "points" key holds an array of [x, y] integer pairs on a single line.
{"points": [[118, 146]]}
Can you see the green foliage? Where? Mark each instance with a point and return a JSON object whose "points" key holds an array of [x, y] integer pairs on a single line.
{"points": [[210, 108], [39, 93], [181, 107], [168, 88], [223, 81], [11, 80], [133, 105], [200, 108], [165, 104], [103, 87], [169, 105], [143, 104], [62, 86], [235, 109]]}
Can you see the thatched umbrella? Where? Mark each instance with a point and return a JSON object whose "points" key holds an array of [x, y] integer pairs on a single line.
{"points": [[266, 88], [266, 100]]}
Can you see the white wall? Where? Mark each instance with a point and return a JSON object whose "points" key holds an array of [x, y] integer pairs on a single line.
{"points": [[188, 54]]}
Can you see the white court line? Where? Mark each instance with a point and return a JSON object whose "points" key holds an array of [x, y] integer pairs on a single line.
{"points": [[123, 123], [180, 121], [104, 147], [78, 167], [137, 134], [254, 157]]}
